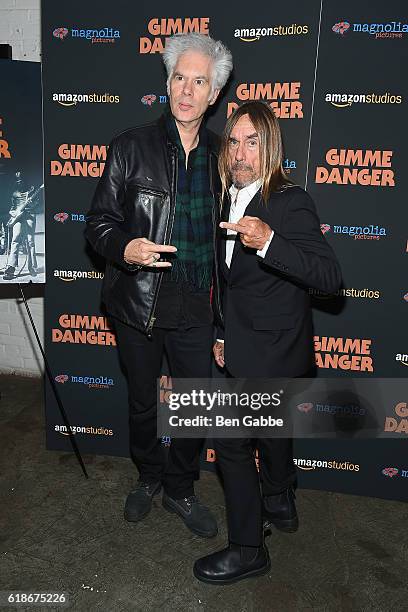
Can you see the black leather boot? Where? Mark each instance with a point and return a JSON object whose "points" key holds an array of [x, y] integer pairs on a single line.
{"points": [[232, 564], [280, 511]]}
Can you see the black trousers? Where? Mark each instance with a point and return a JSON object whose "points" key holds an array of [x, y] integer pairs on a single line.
{"points": [[189, 354], [244, 487]]}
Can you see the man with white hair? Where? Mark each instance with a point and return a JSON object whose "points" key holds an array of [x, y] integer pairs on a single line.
{"points": [[152, 219]]}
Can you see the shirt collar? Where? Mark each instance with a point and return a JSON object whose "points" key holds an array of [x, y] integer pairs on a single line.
{"points": [[174, 134], [249, 191]]}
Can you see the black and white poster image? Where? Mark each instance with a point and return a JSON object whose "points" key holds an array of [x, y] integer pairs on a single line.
{"points": [[22, 236]]}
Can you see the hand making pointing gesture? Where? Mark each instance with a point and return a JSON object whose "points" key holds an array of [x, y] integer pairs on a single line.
{"points": [[253, 232], [143, 252]]}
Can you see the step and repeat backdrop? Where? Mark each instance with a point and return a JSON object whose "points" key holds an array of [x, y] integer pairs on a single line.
{"points": [[332, 73]]}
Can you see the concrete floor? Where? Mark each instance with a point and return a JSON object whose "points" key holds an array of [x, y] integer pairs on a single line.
{"points": [[60, 532]]}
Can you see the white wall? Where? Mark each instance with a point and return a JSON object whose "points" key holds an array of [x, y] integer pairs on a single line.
{"points": [[20, 27]]}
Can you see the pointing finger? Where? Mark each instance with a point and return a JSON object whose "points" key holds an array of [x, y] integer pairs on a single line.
{"points": [[235, 227], [161, 248]]}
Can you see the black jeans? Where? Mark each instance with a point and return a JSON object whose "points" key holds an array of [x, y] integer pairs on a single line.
{"points": [[189, 354]]}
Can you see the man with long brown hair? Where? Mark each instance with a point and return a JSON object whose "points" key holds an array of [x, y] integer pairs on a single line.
{"points": [[271, 253]]}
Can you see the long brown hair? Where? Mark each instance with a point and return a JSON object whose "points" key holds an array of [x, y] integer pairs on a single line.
{"points": [[270, 147]]}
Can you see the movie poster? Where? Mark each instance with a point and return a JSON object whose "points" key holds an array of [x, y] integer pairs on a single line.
{"points": [[22, 235]]}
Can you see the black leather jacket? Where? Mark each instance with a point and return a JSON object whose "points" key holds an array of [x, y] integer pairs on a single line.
{"points": [[136, 198]]}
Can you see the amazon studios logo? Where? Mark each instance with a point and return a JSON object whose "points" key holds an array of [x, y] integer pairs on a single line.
{"points": [[313, 464], [402, 359], [72, 275], [253, 34], [342, 100], [88, 430], [72, 99]]}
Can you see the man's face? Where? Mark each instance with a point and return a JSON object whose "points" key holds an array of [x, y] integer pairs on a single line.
{"points": [[190, 87], [243, 153]]}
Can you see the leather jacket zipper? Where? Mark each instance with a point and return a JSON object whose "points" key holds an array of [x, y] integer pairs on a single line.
{"points": [[150, 326], [152, 318], [156, 192]]}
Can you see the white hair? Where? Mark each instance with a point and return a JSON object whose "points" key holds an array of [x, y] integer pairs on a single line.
{"points": [[181, 43]]}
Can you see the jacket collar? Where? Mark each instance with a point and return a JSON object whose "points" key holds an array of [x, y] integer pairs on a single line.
{"points": [[213, 141]]}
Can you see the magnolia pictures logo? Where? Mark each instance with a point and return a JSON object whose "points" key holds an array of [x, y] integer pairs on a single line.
{"points": [[357, 232], [305, 407], [344, 410], [391, 29], [341, 27], [93, 35], [60, 33], [390, 472], [62, 217], [150, 99], [92, 382]]}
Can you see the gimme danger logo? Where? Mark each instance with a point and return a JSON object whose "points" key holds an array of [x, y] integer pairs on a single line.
{"points": [[83, 329], [283, 97], [357, 167], [158, 29], [79, 160], [343, 353]]}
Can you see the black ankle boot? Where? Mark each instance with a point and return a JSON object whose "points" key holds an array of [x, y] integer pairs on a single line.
{"points": [[280, 510], [233, 563]]}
